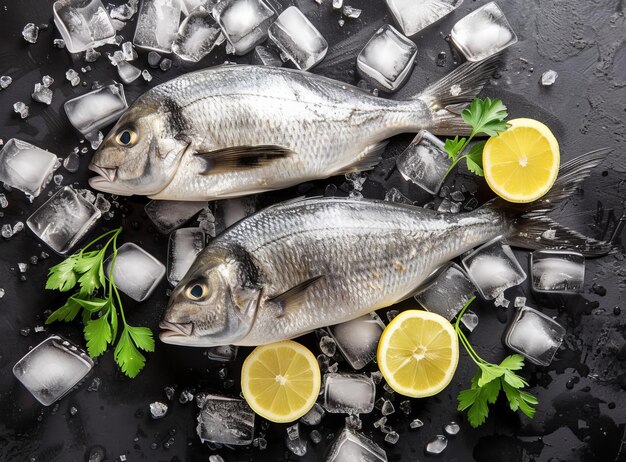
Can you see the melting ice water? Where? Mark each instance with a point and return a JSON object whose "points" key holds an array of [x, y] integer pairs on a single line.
{"points": [[157, 25], [358, 339], [493, 268], [136, 272], [534, 335], [83, 24], [197, 36], [184, 246], [447, 293], [52, 368], [169, 215], [298, 39], [559, 271], [483, 33], [412, 16], [425, 162], [26, 167], [244, 22], [351, 446], [225, 420], [95, 110], [387, 59], [349, 393], [63, 220]]}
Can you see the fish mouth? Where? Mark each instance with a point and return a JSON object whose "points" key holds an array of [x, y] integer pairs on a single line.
{"points": [[107, 173], [175, 329], [105, 180]]}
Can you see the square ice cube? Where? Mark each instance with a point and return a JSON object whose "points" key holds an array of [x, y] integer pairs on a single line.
{"points": [[83, 24], [157, 25], [225, 420], [557, 271], [26, 167], [483, 33], [493, 268], [197, 35], [358, 339], [298, 39], [414, 15], [52, 368], [63, 220], [349, 393], [96, 109], [425, 162], [263, 56], [189, 6], [136, 272], [351, 446], [169, 215], [387, 59], [447, 293], [245, 22], [534, 335], [183, 248]]}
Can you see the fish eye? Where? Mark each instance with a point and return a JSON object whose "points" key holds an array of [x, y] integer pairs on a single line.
{"points": [[126, 138], [197, 291]]}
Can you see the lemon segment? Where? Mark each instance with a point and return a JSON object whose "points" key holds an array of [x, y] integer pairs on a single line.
{"points": [[418, 353], [281, 381], [521, 163]]}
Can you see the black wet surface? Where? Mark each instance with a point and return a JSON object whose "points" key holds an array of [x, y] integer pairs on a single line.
{"points": [[581, 415]]}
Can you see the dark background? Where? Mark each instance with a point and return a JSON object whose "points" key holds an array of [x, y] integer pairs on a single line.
{"points": [[581, 415]]}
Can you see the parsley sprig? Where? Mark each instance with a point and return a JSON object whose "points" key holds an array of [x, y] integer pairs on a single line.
{"points": [[489, 380], [485, 116], [99, 313]]}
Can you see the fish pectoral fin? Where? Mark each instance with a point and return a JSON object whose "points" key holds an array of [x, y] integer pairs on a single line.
{"points": [[241, 157], [367, 160], [293, 297]]}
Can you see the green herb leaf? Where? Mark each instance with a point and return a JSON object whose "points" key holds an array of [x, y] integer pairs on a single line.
{"points": [[62, 276], [454, 146], [127, 356], [489, 373], [474, 158], [486, 116], [98, 335], [92, 305], [513, 362], [66, 313], [476, 401], [142, 336], [113, 321]]}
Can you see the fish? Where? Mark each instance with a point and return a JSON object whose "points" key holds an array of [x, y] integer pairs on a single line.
{"points": [[237, 130], [309, 263]]}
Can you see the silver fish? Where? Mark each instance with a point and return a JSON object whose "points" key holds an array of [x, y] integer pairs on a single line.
{"points": [[305, 264], [235, 130]]}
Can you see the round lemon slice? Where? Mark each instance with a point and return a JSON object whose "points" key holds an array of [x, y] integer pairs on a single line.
{"points": [[418, 353], [281, 381], [521, 163]]}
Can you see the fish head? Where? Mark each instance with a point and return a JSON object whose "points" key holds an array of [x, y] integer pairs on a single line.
{"points": [[141, 153], [215, 303]]}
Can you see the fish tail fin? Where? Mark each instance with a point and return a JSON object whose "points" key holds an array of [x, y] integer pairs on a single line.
{"points": [[534, 230], [449, 95]]}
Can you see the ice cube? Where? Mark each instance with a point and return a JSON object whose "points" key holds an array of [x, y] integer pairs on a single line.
{"points": [[387, 408], [244, 22], [265, 57], [83, 24], [5, 81], [351, 12], [96, 109], [158, 410], [184, 246], [21, 109], [165, 64], [91, 55], [127, 72], [190, 6], [548, 78], [30, 33], [493, 268], [392, 437], [136, 272], [534, 335], [387, 59], [349, 393], [452, 428], [416, 423], [63, 220], [483, 33], [351, 446], [297, 446], [72, 77], [412, 16], [519, 302], [4, 203], [225, 420], [328, 346], [437, 445], [42, 94], [222, 353], [557, 271], [128, 51], [71, 163], [157, 25], [52, 368], [197, 36], [169, 215], [337, 4], [298, 39], [146, 75], [394, 195], [314, 416], [154, 59], [358, 339], [26, 167], [447, 293], [123, 12], [425, 162]]}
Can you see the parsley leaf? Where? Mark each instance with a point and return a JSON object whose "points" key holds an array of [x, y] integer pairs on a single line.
{"points": [[98, 335], [127, 356], [62, 276], [454, 146], [66, 313]]}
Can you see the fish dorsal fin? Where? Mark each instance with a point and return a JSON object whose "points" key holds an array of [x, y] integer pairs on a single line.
{"points": [[241, 157], [293, 297]]}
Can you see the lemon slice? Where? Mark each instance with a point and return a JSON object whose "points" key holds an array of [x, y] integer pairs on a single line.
{"points": [[418, 353], [521, 163], [281, 381]]}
